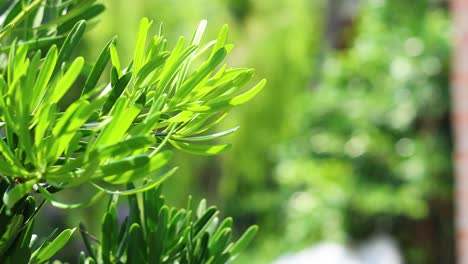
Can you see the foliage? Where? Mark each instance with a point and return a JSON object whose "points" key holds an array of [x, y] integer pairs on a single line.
{"points": [[113, 133], [18, 244], [347, 142], [374, 150], [156, 233]]}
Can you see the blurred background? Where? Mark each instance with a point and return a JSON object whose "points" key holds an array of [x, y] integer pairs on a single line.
{"points": [[350, 140]]}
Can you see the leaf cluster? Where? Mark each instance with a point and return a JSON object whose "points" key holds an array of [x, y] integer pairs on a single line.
{"points": [[18, 244], [157, 233], [115, 137], [113, 133]]}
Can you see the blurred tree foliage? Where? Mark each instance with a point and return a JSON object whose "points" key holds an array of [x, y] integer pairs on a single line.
{"points": [[347, 139], [373, 151]]}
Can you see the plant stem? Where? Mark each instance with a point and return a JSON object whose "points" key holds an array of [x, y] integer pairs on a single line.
{"points": [[20, 17]]}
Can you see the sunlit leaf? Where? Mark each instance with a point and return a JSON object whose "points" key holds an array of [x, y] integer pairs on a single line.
{"points": [[200, 149]]}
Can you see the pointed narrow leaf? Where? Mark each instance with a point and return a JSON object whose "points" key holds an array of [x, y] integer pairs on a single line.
{"points": [[116, 91], [10, 234], [221, 41], [51, 249], [136, 250], [67, 80], [124, 165], [71, 42], [55, 202], [45, 75], [12, 196], [98, 68], [240, 99], [115, 58], [206, 137], [148, 186], [145, 25], [203, 222], [127, 146], [200, 149], [156, 162], [244, 241], [205, 69]]}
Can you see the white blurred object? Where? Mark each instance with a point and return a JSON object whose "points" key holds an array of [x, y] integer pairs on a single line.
{"points": [[380, 249], [324, 253]]}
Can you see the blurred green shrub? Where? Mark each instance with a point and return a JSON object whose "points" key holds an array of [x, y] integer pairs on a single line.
{"points": [[374, 144]]}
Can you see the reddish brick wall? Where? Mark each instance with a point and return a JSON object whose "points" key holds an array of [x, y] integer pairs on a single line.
{"points": [[460, 122]]}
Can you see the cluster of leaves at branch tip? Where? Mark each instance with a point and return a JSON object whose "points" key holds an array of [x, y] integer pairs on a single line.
{"points": [[115, 134]]}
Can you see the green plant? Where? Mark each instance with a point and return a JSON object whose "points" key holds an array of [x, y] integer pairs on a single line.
{"points": [[156, 233], [113, 133], [306, 186]]}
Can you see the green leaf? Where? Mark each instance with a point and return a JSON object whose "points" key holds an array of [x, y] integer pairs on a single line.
{"points": [[54, 246], [16, 166], [227, 84], [67, 80], [161, 234], [8, 170], [36, 44], [44, 76], [200, 149], [71, 42], [86, 14], [206, 137], [201, 208], [66, 128], [219, 243], [156, 162], [146, 74], [11, 233], [13, 195], [243, 98], [85, 236], [227, 223], [221, 41], [127, 146], [202, 123], [115, 59], [172, 65], [203, 222], [55, 202], [5, 30], [205, 69], [109, 234], [220, 104], [11, 64], [98, 68], [122, 119], [45, 120], [116, 91], [244, 241], [199, 32], [138, 58], [28, 89], [148, 186], [136, 249], [124, 165], [222, 259]]}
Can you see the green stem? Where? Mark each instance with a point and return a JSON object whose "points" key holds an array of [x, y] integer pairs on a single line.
{"points": [[20, 17]]}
